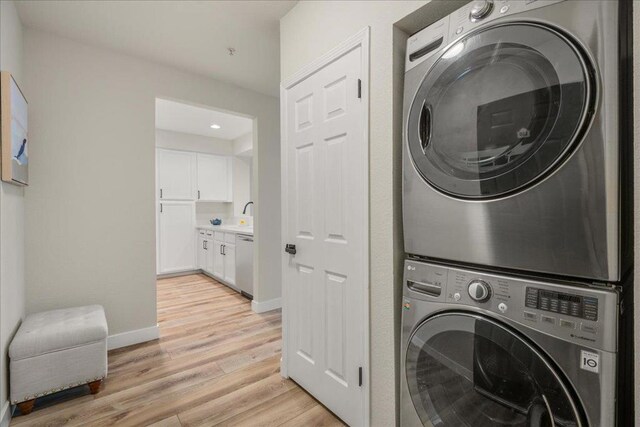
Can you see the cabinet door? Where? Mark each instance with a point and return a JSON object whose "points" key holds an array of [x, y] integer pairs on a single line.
{"points": [[210, 255], [214, 178], [229, 251], [176, 223], [176, 175], [202, 252], [218, 260]]}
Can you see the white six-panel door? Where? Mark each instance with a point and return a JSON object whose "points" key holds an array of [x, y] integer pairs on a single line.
{"points": [[326, 192]]}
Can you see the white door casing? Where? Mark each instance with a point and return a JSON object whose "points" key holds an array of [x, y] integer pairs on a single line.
{"points": [[325, 214]]}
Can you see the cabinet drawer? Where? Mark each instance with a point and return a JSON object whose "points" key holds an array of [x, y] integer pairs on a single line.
{"points": [[201, 232], [219, 236], [209, 233], [230, 237]]}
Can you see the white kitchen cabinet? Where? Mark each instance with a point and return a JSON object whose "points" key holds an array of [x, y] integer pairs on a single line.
{"points": [[218, 259], [229, 255], [176, 175], [202, 250], [214, 178], [218, 256], [176, 248]]}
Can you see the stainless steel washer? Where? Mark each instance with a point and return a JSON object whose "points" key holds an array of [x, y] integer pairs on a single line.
{"points": [[512, 155], [489, 350]]}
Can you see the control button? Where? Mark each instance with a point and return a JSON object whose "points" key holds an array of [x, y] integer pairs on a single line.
{"points": [[567, 324], [592, 329], [548, 319], [502, 307], [530, 316], [459, 30], [456, 296], [480, 9], [504, 9], [479, 291]]}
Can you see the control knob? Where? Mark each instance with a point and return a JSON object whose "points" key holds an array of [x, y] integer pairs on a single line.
{"points": [[479, 291], [480, 10]]}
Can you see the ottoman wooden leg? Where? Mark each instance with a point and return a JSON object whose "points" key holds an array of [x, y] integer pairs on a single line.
{"points": [[94, 386], [26, 407]]}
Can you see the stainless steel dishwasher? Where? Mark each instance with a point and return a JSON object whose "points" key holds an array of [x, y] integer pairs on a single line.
{"points": [[244, 264]]}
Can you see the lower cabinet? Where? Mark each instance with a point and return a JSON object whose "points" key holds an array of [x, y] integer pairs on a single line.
{"points": [[217, 255], [229, 253], [218, 259]]}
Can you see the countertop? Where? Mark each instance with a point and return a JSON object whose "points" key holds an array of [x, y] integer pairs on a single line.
{"points": [[238, 229]]}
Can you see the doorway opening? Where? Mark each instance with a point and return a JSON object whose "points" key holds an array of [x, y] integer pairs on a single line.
{"points": [[204, 194]]}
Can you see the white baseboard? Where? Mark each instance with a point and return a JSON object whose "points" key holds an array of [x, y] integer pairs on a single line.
{"points": [[264, 306], [5, 414], [133, 337]]}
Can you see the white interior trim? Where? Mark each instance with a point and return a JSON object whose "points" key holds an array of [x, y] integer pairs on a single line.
{"points": [[264, 306], [133, 337], [361, 38], [5, 415]]}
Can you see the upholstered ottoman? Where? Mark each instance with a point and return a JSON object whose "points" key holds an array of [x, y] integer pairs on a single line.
{"points": [[56, 350]]}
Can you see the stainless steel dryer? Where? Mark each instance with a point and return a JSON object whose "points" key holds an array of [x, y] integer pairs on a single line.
{"points": [[511, 138], [493, 351]]}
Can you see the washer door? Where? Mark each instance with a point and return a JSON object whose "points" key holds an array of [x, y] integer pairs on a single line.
{"points": [[468, 370], [499, 110]]}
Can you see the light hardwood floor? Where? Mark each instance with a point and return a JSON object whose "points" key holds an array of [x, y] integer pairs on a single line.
{"points": [[216, 363]]}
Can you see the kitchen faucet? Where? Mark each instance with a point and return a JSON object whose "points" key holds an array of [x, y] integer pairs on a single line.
{"points": [[244, 211]]}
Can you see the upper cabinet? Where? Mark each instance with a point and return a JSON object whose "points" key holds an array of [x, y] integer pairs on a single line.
{"points": [[176, 175], [184, 175], [214, 178]]}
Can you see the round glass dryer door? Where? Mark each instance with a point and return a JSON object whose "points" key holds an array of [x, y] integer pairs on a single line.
{"points": [[499, 110], [464, 370]]}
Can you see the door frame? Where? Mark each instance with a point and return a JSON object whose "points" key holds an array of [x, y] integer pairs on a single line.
{"points": [[360, 39]]}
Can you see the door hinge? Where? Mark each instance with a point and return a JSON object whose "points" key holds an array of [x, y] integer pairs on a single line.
{"points": [[360, 376], [359, 89]]}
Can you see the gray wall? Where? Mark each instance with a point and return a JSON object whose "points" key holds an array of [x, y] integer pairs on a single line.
{"points": [[90, 208], [12, 284]]}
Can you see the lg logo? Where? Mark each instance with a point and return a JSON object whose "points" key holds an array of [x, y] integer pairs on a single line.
{"points": [[589, 361]]}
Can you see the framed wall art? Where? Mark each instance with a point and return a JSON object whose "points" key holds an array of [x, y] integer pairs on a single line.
{"points": [[13, 132]]}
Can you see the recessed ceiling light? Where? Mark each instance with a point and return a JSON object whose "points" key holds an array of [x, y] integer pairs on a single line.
{"points": [[215, 126]]}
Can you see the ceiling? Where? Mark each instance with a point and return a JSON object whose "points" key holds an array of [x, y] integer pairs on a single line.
{"points": [[190, 35], [185, 118]]}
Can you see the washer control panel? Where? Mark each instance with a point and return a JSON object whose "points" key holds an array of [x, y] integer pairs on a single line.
{"points": [[577, 313], [568, 304]]}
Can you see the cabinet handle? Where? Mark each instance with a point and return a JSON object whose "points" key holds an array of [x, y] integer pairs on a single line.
{"points": [[224, 249], [160, 207], [198, 194], [161, 193], [221, 253], [204, 245]]}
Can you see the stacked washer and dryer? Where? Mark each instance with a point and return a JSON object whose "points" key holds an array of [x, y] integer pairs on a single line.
{"points": [[515, 214]]}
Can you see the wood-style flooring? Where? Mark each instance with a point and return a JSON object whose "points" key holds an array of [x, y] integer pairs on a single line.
{"points": [[216, 363]]}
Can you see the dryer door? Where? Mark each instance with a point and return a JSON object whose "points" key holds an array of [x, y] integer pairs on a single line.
{"points": [[500, 109], [468, 370]]}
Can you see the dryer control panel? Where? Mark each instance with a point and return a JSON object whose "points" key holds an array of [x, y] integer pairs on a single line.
{"points": [[574, 312], [432, 39]]}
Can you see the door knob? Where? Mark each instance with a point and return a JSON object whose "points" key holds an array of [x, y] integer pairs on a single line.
{"points": [[290, 249]]}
